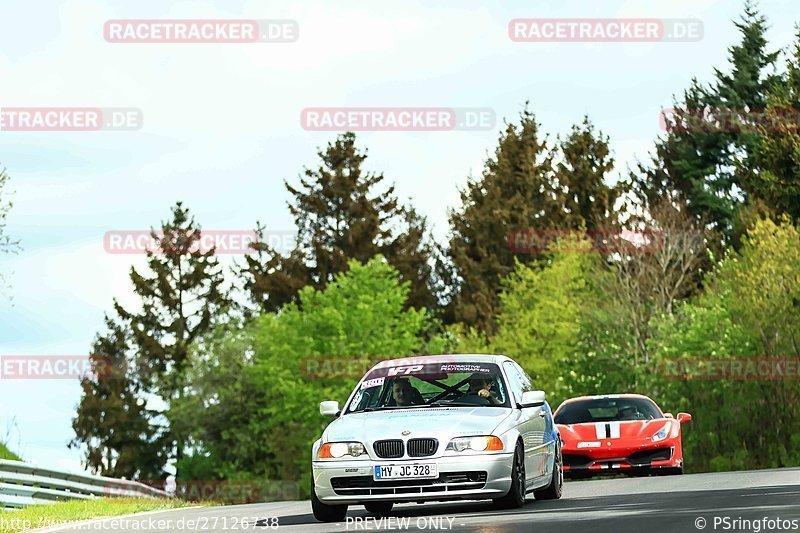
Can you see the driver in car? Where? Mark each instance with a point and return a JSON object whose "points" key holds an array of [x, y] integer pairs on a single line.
{"points": [[482, 386], [404, 394]]}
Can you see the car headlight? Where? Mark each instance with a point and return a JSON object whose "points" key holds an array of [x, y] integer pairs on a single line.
{"points": [[481, 443], [662, 433], [338, 450]]}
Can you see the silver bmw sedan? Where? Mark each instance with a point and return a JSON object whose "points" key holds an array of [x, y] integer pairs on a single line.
{"points": [[435, 428]]}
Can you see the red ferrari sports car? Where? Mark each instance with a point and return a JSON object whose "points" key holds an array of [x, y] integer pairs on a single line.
{"points": [[620, 433]]}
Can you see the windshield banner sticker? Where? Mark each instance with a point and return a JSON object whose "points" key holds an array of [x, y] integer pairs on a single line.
{"points": [[465, 368], [377, 382]]}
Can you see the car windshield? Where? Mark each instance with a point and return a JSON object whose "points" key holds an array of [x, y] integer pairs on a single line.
{"points": [[462, 384], [607, 410]]}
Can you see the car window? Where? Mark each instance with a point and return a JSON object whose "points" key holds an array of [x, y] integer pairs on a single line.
{"points": [[519, 381], [410, 386], [607, 410]]}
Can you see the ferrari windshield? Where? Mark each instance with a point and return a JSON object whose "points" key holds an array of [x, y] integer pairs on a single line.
{"points": [[462, 384], [607, 410]]}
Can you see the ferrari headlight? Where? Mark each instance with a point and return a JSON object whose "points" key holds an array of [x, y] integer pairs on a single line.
{"points": [[480, 443], [337, 450], [662, 433]]}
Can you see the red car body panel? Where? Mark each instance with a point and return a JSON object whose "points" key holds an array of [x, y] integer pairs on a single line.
{"points": [[608, 447]]}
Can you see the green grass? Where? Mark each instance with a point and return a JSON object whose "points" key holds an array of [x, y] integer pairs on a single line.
{"points": [[5, 453], [52, 514]]}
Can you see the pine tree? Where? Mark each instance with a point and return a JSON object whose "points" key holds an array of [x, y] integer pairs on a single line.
{"points": [[515, 193], [341, 215], [271, 279], [773, 176], [527, 185], [112, 424], [183, 296], [711, 132], [581, 176]]}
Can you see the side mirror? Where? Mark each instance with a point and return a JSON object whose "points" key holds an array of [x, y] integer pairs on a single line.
{"points": [[668, 415], [684, 417], [329, 408], [534, 398]]}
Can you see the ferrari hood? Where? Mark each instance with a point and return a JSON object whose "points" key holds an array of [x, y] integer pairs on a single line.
{"points": [[629, 429]]}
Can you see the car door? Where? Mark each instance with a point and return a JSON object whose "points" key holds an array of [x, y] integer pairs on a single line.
{"points": [[531, 424]]}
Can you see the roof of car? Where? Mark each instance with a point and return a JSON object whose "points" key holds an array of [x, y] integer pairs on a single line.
{"points": [[601, 396], [445, 358]]}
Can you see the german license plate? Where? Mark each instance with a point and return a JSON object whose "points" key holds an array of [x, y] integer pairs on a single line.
{"points": [[415, 471]]}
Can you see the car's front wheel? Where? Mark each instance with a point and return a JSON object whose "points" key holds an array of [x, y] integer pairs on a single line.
{"points": [[516, 494], [379, 508], [323, 512], [553, 490]]}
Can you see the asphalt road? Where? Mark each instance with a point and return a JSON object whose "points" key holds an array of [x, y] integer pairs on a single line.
{"points": [[650, 505]]}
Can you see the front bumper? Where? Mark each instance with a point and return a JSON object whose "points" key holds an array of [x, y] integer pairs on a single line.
{"points": [[469, 477], [609, 461]]}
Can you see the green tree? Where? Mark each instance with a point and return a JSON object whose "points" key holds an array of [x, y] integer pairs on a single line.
{"points": [[342, 214], [112, 425], [272, 279], [542, 311], [253, 411], [182, 297], [771, 176], [712, 132], [522, 188], [582, 174], [749, 311]]}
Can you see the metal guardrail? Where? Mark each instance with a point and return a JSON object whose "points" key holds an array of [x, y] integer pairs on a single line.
{"points": [[23, 484]]}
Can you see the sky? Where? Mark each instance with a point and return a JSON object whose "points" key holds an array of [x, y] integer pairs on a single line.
{"points": [[221, 132]]}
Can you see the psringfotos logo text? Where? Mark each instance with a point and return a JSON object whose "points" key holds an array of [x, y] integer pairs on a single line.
{"points": [[604, 30], [196, 242], [54, 366], [397, 118], [196, 31], [70, 118]]}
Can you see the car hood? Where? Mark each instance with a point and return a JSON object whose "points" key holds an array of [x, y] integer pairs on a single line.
{"points": [[441, 423], [628, 429]]}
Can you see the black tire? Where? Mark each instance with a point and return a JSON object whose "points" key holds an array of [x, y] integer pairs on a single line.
{"points": [[379, 508], [553, 490], [326, 513], [516, 494]]}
